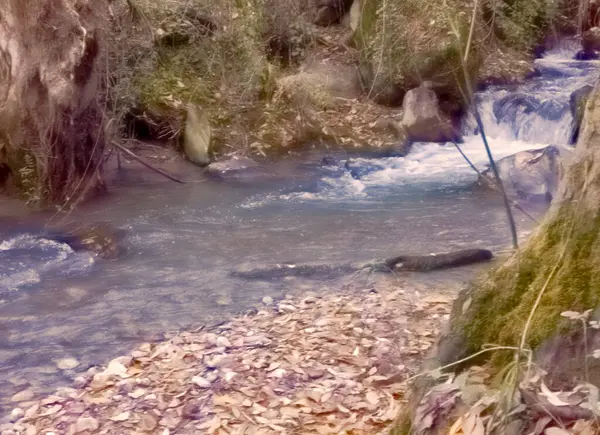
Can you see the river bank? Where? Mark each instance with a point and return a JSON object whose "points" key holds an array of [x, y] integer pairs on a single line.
{"points": [[320, 363]]}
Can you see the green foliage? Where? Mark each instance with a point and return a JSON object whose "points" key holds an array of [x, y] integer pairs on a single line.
{"points": [[409, 41], [520, 23]]}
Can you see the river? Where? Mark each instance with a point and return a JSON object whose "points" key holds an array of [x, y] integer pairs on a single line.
{"points": [[183, 241]]}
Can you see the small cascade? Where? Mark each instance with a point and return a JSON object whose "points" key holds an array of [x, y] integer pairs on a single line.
{"points": [[516, 118], [537, 111]]}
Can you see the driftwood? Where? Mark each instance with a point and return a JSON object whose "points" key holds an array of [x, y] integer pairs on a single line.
{"points": [[419, 263], [146, 164], [425, 263]]}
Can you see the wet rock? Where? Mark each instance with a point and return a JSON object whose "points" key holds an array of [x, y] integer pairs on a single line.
{"points": [[23, 396], [531, 175], [586, 55], [16, 414], [578, 101], [234, 167], [423, 119], [67, 363], [267, 300]]}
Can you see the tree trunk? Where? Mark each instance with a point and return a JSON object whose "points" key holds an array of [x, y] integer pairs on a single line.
{"points": [[51, 125]]}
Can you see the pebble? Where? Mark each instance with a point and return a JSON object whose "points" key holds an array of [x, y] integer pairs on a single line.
{"points": [[223, 342], [22, 396], [16, 414], [85, 424], [67, 363], [267, 300], [80, 382], [201, 382], [213, 362], [287, 308]]}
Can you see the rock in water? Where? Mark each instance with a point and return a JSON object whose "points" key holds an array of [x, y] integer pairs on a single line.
{"points": [[423, 119], [197, 136], [232, 167], [531, 175], [67, 363]]}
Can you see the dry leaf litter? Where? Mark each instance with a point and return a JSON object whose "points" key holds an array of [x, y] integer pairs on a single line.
{"points": [[322, 364]]}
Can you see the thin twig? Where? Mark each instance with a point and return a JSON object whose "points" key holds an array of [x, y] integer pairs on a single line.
{"points": [[470, 93], [146, 164], [491, 184]]}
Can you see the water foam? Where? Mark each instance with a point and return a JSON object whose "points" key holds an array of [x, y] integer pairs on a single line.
{"points": [[26, 258]]}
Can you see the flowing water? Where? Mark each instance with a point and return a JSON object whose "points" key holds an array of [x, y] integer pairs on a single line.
{"points": [[184, 240]]}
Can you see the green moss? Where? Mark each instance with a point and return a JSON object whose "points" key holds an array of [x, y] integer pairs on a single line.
{"points": [[176, 78], [501, 304]]}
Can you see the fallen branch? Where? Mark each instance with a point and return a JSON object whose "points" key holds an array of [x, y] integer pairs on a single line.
{"points": [[542, 408], [146, 164]]}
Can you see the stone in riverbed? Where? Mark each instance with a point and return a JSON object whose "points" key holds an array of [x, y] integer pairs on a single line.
{"points": [[230, 166], [423, 120], [67, 363], [22, 396], [16, 414], [532, 175], [84, 424]]}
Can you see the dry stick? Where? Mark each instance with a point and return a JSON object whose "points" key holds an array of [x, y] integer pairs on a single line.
{"points": [[146, 164], [509, 215]]}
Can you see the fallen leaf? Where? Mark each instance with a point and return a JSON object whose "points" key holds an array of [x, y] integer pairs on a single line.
{"points": [[121, 417], [556, 431]]}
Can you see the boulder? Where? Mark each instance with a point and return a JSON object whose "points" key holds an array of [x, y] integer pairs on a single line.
{"points": [[578, 100], [197, 136], [531, 175], [331, 11], [423, 119], [320, 84], [586, 55]]}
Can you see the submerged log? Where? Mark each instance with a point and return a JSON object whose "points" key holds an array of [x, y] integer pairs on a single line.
{"points": [[423, 263], [416, 263]]}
